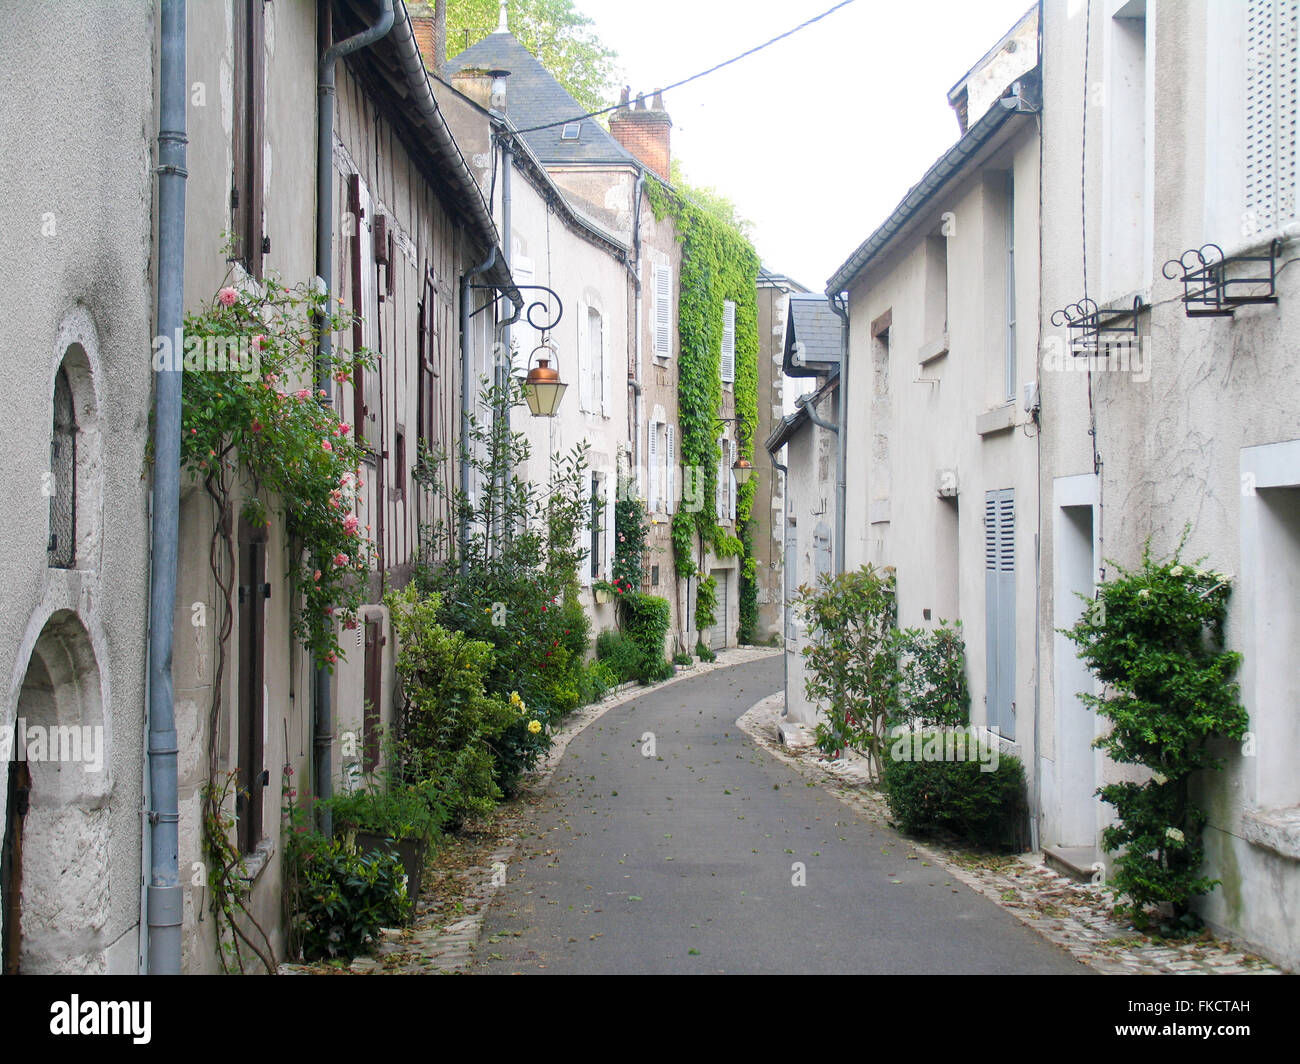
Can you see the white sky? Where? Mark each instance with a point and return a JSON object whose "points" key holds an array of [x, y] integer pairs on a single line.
{"points": [[816, 138]]}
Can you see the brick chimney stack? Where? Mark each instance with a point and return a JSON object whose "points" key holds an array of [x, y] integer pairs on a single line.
{"points": [[430, 35], [644, 131]]}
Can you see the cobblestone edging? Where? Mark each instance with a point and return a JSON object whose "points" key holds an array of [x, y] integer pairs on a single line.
{"points": [[431, 947], [1075, 916]]}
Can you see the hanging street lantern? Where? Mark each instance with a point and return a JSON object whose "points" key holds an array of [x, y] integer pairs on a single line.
{"points": [[742, 471], [542, 387]]}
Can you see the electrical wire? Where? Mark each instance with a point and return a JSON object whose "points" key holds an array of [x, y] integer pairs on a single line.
{"points": [[701, 74]]}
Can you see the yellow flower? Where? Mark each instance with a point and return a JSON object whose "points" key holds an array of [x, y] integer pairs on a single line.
{"points": [[534, 726]]}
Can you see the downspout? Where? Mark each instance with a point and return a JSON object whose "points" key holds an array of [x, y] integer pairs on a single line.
{"points": [[164, 898], [634, 378], [503, 329], [323, 739], [841, 473], [466, 371], [785, 603]]}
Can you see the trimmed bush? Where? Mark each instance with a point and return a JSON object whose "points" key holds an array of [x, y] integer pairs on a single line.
{"points": [[930, 792], [646, 619], [619, 654]]}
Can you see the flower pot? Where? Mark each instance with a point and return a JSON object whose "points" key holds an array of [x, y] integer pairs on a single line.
{"points": [[409, 851], [602, 596]]}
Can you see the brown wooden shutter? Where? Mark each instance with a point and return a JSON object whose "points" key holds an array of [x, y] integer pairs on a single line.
{"points": [[253, 592]]}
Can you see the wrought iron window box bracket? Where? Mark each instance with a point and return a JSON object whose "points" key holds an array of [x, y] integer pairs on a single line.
{"points": [[1095, 330], [1215, 286]]}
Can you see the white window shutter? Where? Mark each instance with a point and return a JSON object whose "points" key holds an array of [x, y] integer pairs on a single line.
{"points": [[728, 342], [584, 359], [605, 367], [611, 490], [663, 311], [652, 502], [731, 478], [720, 484], [670, 496], [1271, 112]]}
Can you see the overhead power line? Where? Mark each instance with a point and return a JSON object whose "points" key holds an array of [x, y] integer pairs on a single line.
{"points": [[702, 73]]}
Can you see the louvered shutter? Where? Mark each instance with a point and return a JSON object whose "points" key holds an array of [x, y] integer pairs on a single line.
{"points": [[670, 458], [1271, 105], [604, 368], [653, 471], [731, 480], [584, 358], [728, 342], [611, 491], [1000, 609], [663, 311], [720, 483]]}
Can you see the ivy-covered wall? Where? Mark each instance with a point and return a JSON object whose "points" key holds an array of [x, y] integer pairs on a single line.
{"points": [[718, 264]]}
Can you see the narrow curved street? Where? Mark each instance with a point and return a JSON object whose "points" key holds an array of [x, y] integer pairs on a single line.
{"points": [[667, 842]]}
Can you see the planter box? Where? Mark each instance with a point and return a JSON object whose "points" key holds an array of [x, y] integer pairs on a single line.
{"points": [[409, 851], [603, 597]]}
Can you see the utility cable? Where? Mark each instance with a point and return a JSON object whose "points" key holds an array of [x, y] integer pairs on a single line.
{"points": [[702, 73]]}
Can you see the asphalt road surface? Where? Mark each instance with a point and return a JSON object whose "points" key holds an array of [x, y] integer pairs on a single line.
{"points": [[685, 857]]}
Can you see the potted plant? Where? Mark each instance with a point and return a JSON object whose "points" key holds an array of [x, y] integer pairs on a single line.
{"points": [[396, 818]]}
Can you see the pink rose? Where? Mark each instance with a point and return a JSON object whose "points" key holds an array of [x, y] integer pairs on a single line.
{"points": [[350, 524], [343, 429], [302, 393], [340, 560], [228, 297], [316, 575], [326, 445], [259, 341]]}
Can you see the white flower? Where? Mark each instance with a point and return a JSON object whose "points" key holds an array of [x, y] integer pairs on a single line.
{"points": [[1160, 778], [1177, 570], [1144, 593], [1174, 835]]}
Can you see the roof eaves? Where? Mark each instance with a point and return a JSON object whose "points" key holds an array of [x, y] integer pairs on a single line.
{"points": [[947, 167]]}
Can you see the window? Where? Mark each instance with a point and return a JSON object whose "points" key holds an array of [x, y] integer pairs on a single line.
{"points": [[61, 485], [670, 466], [1271, 105], [571, 131], [249, 111], [1126, 113], [399, 465], [728, 342], [663, 311], [594, 388]]}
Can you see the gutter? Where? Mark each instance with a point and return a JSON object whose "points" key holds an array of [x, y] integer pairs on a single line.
{"points": [[323, 724], [164, 899]]}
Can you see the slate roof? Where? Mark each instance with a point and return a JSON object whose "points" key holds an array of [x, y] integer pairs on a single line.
{"points": [[534, 98], [816, 328]]}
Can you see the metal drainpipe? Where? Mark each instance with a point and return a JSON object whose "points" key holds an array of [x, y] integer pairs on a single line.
{"points": [[164, 898], [466, 360], [503, 329], [323, 739], [636, 368], [785, 603], [841, 473]]}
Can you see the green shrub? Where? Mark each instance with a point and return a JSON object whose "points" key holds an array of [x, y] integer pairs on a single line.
{"points": [[704, 652], [930, 795], [682, 658], [1155, 639], [619, 654], [342, 898], [645, 620], [932, 687], [389, 808], [853, 658]]}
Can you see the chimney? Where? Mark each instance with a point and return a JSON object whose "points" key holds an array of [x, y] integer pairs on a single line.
{"points": [[429, 24], [487, 88], [644, 131]]}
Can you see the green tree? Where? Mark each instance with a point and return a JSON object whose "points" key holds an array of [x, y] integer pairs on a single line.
{"points": [[559, 35]]}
